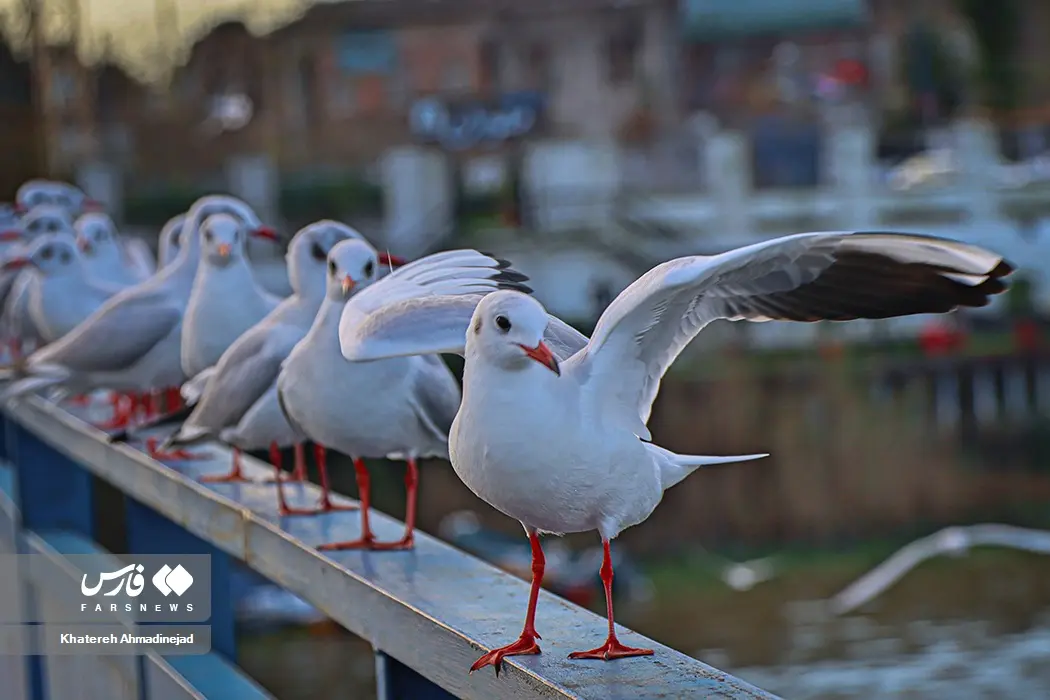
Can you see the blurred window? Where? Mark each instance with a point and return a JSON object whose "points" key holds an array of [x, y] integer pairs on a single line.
{"points": [[622, 53]]}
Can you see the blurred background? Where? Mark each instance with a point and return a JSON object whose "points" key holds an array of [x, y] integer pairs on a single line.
{"points": [[588, 140]]}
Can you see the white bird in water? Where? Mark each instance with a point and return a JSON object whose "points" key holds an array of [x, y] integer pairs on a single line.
{"points": [[410, 400], [132, 343], [104, 252], [237, 400], [552, 428], [226, 300], [954, 541]]}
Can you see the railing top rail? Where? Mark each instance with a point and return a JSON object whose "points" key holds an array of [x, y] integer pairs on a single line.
{"points": [[434, 609]]}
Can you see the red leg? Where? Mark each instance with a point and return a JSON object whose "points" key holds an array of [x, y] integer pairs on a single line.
{"points": [[299, 473], [123, 413], [172, 399], [526, 643], [177, 455], [612, 649], [321, 457], [411, 491], [235, 475], [283, 508], [364, 492]]}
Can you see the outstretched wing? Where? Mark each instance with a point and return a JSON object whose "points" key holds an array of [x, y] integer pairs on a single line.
{"points": [[446, 275], [806, 277], [431, 325]]}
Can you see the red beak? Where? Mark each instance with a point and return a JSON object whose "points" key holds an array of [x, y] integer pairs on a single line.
{"points": [[20, 208], [17, 263], [83, 244], [93, 205], [267, 233], [391, 260], [542, 354], [10, 235]]}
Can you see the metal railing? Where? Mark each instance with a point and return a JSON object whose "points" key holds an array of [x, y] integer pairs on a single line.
{"points": [[428, 613]]}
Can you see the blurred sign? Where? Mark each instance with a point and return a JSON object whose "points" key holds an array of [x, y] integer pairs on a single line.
{"points": [[366, 52], [463, 125], [716, 19]]}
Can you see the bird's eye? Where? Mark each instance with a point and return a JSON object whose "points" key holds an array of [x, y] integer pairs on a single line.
{"points": [[369, 268], [47, 253], [317, 252], [331, 267], [503, 323], [208, 235]]}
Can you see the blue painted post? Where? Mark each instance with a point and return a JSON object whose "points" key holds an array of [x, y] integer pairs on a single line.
{"points": [[395, 681], [54, 493], [149, 532]]}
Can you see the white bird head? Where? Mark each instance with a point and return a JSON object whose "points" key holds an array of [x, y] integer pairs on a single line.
{"points": [[47, 218], [52, 255], [352, 265], [219, 204], [308, 254], [97, 235], [223, 239], [507, 328], [61, 194], [168, 240]]}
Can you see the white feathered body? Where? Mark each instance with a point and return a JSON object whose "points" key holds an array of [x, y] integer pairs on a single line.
{"points": [[225, 302], [360, 409], [543, 462]]}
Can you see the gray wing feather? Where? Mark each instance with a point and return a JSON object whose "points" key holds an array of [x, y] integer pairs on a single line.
{"points": [[437, 395], [296, 428], [244, 373], [832, 276], [427, 326], [117, 335]]}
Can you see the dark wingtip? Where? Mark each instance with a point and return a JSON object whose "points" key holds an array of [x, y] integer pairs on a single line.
{"points": [[1003, 269]]}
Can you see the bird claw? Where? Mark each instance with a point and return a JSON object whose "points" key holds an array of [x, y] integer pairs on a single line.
{"points": [[612, 649], [228, 478], [522, 646], [369, 543]]}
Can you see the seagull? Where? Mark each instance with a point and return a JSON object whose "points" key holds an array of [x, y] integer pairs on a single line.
{"points": [[69, 197], [59, 291], [104, 253], [552, 428], [225, 301], [955, 541], [41, 220], [236, 401], [410, 400], [168, 241], [132, 342]]}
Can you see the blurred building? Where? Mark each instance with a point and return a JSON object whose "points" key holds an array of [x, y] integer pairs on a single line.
{"points": [[17, 137], [349, 80]]}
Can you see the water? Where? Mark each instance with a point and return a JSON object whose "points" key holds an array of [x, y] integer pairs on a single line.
{"points": [[974, 627]]}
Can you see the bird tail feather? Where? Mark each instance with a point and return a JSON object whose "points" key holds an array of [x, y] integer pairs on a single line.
{"points": [[675, 467]]}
